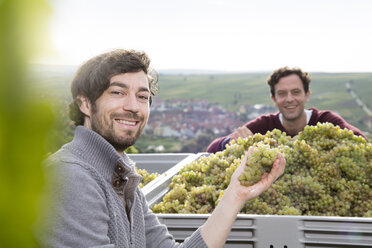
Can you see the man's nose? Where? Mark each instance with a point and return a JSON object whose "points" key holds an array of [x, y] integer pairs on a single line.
{"points": [[131, 103], [290, 97]]}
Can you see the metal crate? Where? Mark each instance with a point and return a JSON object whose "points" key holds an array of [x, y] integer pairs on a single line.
{"points": [[267, 231], [157, 162], [166, 164], [274, 231]]}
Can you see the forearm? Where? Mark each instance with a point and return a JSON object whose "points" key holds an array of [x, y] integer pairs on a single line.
{"points": [[218, 226], [216, 145]]}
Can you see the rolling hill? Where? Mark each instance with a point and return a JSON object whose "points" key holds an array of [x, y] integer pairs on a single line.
{"points": [[231, 90]]}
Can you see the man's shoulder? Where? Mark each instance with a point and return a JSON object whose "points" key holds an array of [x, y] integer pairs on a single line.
{"points": [[65, 161], [318, 111], [70, 171], [64, 154], [328, 116], [321, 114], [264, 123], [266, 117]]}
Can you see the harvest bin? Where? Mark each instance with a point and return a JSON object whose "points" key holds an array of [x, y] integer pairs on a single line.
{"points": [[274, 231], [256, 231], [166, 164], [158, 162]]}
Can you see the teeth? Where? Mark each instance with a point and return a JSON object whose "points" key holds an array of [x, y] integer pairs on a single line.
{"points": [[131, 123]]}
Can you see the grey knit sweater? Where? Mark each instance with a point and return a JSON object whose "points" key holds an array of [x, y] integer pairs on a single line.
{"points": [[88, 211]]}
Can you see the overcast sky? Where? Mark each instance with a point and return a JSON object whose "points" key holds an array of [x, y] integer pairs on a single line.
{"points": [[228, 35]]}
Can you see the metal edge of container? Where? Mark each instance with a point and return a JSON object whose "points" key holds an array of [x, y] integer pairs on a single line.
{"points": [[157, 162], [155, 190], [263, 231], [166, 160]]}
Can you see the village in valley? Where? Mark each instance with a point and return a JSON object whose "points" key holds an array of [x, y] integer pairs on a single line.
{"points": [[186, 119]]}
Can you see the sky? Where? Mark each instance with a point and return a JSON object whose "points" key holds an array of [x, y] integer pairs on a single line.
{"points": [[223, 35]]}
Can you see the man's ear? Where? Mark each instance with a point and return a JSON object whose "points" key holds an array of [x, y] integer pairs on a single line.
{"points": [[274, 100], [307, 95], [84, 105]]}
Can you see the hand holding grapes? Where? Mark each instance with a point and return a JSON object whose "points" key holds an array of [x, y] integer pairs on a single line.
{"points": [[250, 192]]}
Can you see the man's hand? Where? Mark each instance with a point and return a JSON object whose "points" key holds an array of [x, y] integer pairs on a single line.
{"points": [[251, 192], [241, 132]]}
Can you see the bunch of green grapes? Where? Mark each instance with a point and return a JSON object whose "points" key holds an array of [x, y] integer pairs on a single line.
{"points": [[328, 173], [146, 177], [201, 200], [259, 162], [173, 202]]}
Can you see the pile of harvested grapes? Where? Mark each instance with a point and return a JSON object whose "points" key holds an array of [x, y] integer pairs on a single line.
{"points": [[146, 177], [328, 173]]}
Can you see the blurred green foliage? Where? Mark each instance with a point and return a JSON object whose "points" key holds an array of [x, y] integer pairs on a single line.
{"points": [[131, 150], [24, 121]]}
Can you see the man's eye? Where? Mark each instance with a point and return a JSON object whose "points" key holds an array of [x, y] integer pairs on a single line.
{"points": [[115, 92], [143, 97]]}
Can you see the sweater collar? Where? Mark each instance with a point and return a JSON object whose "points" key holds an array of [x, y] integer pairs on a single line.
{"points": [[100, 154]]}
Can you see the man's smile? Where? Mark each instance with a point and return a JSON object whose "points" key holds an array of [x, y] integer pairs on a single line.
{"points": [[126, 122], [291, 107]]}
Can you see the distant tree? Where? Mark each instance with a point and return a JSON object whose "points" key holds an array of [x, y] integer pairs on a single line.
{"points": [[189, 146], [243, 118], [199, 144], [62, 130], [203, 140]]}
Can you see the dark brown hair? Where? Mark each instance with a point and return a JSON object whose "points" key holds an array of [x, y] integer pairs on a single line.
{"points": [[274, 78], [93, 77]]}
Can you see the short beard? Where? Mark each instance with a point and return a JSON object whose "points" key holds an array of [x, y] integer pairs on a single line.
{"points": [[119, 144], [297, 117]]}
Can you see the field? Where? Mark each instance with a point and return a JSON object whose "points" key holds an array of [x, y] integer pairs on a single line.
{"points": [[328, 91]]}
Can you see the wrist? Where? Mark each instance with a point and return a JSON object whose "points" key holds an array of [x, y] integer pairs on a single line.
{"points": [[224, 142], [233, 198]]}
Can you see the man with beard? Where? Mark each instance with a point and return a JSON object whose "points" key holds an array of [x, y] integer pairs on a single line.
{"points": [[96, 201], [290, 92]]}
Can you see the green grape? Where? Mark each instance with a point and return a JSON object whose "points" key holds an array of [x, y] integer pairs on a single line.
{"points": [[289, 210], [368, 214], [173, 201], [189, 178], [257, 206], [328, 173], [259, 162], [201, 199], [146, 177]]}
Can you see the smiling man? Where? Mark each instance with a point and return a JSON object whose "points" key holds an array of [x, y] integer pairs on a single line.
{"points": [[290, 92], [120, 114], [95, 198]]}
